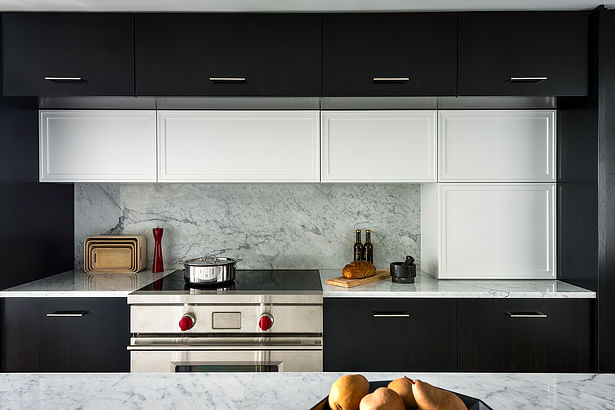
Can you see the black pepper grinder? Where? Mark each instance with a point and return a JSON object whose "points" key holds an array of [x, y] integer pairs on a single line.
{"points": [[358, 246]]}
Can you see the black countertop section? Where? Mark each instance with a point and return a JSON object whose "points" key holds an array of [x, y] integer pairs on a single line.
{"points": [[246, 280]]}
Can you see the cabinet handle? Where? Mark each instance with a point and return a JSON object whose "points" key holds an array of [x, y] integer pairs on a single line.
{"points": [[399, 315], [63, 78], [538, 315], [391, 79], [227, 79], [527, 79], [80, 313]]}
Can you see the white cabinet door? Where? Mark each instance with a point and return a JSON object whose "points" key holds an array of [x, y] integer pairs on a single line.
{"points": [[489, 231], [496, 145], [97, 146], [238, 146], [379, 146]]}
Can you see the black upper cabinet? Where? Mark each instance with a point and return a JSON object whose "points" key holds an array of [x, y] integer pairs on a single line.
{"points": [[523, 53], [228, 54], [57, 54], [390, 54]]}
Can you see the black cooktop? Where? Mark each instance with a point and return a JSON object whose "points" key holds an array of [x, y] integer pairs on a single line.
{"points": [[246, 280]]}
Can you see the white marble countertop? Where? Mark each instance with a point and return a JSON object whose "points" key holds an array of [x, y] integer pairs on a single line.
{"points": [[77, 284], [426, 286], [274, 391]]}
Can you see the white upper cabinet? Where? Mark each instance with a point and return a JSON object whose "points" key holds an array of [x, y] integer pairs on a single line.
{"points": [[97, 145], [379, 146], [496, 145], [238, 146], [488, 231]]}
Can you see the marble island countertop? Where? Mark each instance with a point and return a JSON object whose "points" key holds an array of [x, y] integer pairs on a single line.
{"points": [[426, 286], [76, 283], [274, 391]]}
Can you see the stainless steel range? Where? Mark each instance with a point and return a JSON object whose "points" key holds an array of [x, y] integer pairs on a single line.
{"points": [[268, 321]]}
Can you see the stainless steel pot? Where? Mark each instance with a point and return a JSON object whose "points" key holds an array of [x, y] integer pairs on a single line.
{"points": [[209, 269]]}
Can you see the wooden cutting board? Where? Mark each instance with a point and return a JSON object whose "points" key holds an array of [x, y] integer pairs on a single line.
{"points": [[351, 283]]}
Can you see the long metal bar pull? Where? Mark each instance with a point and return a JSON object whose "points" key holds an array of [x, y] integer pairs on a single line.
{"points": [[228, 79], [391, 315], [51, 78], [527, 79], [391, 79], [79, 313], [536, 315]]}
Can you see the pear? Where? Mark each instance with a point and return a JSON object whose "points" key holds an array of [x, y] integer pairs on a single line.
{"points": [[382, 399], [403, 387], [429, 397], [347, 391]]}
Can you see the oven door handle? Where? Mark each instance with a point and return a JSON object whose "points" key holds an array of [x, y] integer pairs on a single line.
{"points": [[180, 348]]}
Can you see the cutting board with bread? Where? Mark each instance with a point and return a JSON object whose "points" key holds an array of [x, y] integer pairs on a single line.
{"points": [[358, 273]]}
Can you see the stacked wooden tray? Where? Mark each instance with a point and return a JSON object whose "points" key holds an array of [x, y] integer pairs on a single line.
{"points": [[114, 253]]}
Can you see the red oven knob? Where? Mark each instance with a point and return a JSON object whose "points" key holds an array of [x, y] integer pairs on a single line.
{"points": [[265, 321], [186, 322]]}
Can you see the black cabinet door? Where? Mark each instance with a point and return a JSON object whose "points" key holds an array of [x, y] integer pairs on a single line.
{"points": [[523, 53], [390, 54], [228, 54], [526, 335], [389, 334], [55, 54], [65, 335]]}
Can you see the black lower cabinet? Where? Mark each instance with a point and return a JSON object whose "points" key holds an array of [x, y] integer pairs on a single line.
{"points": [[65, 335], [526, 335], [366, 334]]}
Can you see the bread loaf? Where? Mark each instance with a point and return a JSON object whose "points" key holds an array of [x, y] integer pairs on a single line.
{"points": [[359, 269]]}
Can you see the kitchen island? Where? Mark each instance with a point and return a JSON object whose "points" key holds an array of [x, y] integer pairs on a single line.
{"points": [[286, 390]]}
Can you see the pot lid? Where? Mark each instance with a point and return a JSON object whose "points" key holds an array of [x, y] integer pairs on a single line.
{"points": [[210, 260]]}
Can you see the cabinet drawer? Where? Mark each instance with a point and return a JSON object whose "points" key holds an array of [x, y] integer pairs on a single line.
{"points": [[488, 231], [229, 54], [498, 146], [379, 146], [389, 334], [64, 54], [102, 145], [389, 54], [526, 335], [523, 53], [65, 334], [250, 146]]}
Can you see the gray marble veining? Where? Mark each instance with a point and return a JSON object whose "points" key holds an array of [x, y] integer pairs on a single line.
{"points": [[269, 226], [426, 286], [275, 391]]}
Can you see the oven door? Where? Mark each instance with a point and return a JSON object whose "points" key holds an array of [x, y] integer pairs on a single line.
{"points": [[210, 361]]}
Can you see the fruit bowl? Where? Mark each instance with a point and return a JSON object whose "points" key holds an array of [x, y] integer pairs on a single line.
{"points": [[470, 402]]}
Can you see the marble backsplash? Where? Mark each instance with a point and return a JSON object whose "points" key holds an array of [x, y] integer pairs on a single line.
{"points": [[280, 226]]}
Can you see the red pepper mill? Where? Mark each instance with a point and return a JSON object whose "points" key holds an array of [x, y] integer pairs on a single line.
{"points": [[158, 265]]}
